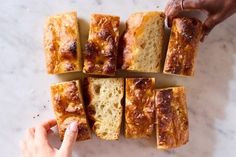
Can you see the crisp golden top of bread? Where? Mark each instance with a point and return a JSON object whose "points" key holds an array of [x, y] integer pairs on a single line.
{"points": [[68, 107], [101, 48], [105, 109], [139, 107], [142, 44], [171, 118], [62, 43], [183, 43]]}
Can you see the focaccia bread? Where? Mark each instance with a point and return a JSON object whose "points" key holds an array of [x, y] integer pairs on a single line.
{"points": [[171, 118], [68, 107], [105, 109], [182, 48], [100, 54], [139, 107], [62, 44], [142, 44]]}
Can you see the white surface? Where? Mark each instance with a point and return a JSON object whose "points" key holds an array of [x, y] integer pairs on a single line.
{"points": [[24, 84]]}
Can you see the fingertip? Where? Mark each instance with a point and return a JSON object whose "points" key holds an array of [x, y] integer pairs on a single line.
{"points": [[169, 21], [49, 124], [73, 127]]}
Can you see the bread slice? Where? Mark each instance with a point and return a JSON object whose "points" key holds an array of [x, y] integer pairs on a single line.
{"points": [[105, 108], [62, 44], [139, 107], [68, 107], [182, 48], [171, 118], [100, 54], [142, 43]]}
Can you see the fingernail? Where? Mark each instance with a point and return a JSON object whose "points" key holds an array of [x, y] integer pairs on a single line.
{"points": [[73, 126]]}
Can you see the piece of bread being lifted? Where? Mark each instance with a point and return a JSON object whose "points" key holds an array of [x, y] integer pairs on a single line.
{"points": [[104, 106], [68, 107], [142, 43], [183, 46]]}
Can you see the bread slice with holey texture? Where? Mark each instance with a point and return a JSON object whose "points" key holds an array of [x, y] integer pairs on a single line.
{"points": [[105, 109], [139, 107], [68, 107], [100, 55], [62, 44], [142, 44], [182, 47], [171, 118]]}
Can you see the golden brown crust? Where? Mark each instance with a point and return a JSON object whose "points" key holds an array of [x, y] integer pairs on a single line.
{"points": [[100, 54], [68, 107], [131, 44], [139, 109], [183, 43], [171, 118], [62, 44]]}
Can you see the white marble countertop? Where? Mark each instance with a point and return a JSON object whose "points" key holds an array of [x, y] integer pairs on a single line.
{"points": [[24, 84]]}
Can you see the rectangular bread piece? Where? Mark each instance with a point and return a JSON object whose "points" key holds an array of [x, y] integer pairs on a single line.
{"points": [[68, 106], [62, 44], [139, 107], [100, 55], [105, 109], [142, 44], [182, 47], [171, 118]]}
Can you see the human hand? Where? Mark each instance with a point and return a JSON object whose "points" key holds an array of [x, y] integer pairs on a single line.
{"points": [[218, 11], [36, 144]]}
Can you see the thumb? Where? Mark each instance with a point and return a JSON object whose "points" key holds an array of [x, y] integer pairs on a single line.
{"points": [[69, 139], [210, 23]]}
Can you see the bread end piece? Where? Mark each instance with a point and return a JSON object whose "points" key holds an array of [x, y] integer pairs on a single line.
{"points": [[105, 109], [182, 47], [172, 128], [142, 43], [62, 44], [139, 107], [68, 107]]}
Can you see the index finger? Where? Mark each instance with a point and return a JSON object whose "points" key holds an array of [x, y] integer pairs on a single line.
{"points": [[172, 9], [49, 124]]}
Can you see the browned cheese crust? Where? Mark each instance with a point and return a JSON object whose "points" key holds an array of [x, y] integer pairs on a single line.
{"points": [[62, 44], [100, 54], [182, 48], [171, 118], [68, 107], [139, 109]]}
